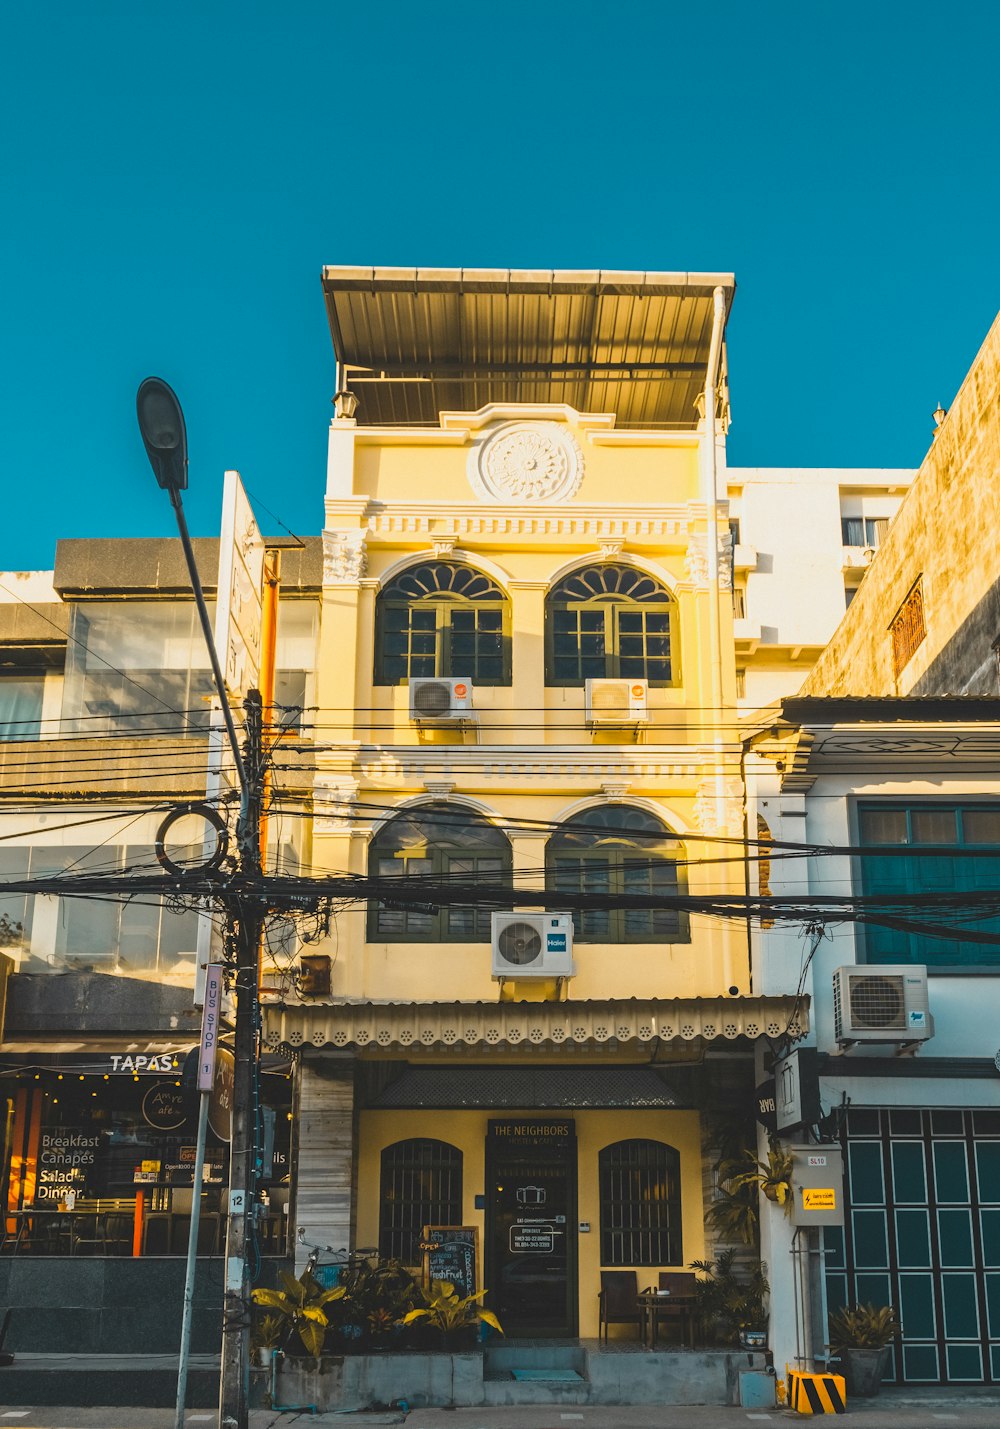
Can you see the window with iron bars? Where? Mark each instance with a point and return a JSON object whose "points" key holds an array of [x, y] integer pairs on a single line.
{"points": [[640, 1204], [421, 1185]]}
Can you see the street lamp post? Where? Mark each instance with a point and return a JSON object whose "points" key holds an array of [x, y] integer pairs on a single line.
{"points": [[164, 435]]}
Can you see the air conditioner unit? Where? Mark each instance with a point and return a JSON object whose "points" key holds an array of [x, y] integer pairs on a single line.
{"points": [[617, 701], [440, 701], [886, 1003], [531, 945]]}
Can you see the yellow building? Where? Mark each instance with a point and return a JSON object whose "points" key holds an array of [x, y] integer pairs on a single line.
{"points": [[525, 682]]}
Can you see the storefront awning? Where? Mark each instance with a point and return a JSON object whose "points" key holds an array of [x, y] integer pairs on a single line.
{"points": [[525, 1025]]}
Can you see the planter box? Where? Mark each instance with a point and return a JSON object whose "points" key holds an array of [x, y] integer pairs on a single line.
{"points": [[352, 1382]]}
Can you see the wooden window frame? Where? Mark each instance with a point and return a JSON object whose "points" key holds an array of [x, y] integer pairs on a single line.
{"points": [[611, 605], [456, 844], [443, 605]]}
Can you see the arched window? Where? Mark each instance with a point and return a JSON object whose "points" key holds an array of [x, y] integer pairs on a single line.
{"points": [[610, 622], [436, 841], [440, 618], [614, 849], [640, 1204], [421, 1185]]}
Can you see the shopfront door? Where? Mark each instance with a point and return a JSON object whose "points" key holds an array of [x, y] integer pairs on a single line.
{"points": [[531, 1226]]}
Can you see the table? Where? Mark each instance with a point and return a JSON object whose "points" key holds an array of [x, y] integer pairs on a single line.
{"points": [[655, 1306]]}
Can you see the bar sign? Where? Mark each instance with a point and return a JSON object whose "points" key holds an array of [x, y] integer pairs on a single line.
{"points": [[210, 1027]]}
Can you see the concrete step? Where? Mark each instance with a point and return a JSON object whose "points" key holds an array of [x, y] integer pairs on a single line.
{"points": [[537, 1391]]}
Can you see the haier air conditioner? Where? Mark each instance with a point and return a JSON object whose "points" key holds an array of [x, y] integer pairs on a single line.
{"points": [[885, 1003], [531, 945], [617, 701], [440, 701]]}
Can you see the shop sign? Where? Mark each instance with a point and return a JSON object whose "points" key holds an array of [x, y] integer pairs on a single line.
{"points": [[164, 1107], [137, 1062], [765, 1105], [64, 1157], [220, 1103], [516, 1131]]}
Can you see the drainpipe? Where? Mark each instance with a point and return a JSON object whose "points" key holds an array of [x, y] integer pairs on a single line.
{"points": [[710, 494]]}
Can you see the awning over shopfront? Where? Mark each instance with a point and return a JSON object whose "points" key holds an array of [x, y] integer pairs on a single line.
{"points": [[526, 1025]]}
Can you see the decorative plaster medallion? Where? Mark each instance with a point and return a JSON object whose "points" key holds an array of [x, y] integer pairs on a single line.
{"points": [[527, 461], [344, 557]]}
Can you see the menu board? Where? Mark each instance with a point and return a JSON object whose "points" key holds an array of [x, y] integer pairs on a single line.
{"points": [[451, 1253]]}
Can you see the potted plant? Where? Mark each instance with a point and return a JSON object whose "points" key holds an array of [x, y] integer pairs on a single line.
{"points": [[301, 1305], [730, 1298], [860, 1335], [773, 1177], [449, 1314], [266, 1336]]}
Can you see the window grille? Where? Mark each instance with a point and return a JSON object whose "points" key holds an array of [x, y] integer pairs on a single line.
{"points": [[640, 1204], [907, 628], [442, 619], [610, 622], [421, 1185]]}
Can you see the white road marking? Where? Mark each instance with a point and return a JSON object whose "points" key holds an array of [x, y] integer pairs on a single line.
{"points": [[945, 1416], [760, 1416], [16, 1414], [571, 1416]]}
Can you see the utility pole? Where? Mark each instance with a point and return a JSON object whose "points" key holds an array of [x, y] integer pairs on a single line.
{"points": [[164, 435], [245, 916]]}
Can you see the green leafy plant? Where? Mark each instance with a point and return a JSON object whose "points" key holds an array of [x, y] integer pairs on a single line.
{"points": [[267, 1332], [302, 1304], [728, 1297], [445, 1310], [736, 1213], [376, 1296], [863, 1327]]}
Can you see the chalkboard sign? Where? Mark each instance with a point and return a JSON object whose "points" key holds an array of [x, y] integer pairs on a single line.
{"points": [[451, 1253]]}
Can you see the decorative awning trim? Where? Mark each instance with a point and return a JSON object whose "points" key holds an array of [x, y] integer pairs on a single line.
{"points": [[524, 1025]]}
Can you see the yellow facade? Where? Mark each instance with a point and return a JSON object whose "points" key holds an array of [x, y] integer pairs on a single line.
{"points": [[594, 1130]]}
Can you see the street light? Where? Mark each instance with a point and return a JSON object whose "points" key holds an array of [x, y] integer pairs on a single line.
{"points": [[164, 435]]}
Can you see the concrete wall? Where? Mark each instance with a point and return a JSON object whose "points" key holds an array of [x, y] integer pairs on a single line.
{"points": [[944, 533]]}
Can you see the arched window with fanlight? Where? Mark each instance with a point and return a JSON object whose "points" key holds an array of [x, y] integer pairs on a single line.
{"points": [[440, 842], [438, 619], [618, 849], [420, 1185], [610, 622]]}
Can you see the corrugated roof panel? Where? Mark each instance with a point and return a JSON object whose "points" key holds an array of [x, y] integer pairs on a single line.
{"points": [[522, 336]]}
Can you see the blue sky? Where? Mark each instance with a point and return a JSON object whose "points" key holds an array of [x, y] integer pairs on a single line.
{"points": [[175, 175]]}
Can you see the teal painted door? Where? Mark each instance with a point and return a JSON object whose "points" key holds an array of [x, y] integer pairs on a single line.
{"points": [[923, 1234]]}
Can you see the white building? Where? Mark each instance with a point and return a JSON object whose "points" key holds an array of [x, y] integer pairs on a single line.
{"points": [[803, 538], [905, 1047]]}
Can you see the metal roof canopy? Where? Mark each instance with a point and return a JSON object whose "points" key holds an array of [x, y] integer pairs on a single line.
{"points": [[414, 342]]}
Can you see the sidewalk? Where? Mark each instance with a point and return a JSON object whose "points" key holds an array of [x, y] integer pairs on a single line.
{"points": [[893, 1409]]}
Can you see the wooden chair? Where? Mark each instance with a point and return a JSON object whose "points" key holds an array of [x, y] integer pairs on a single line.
{"points": [[619, 1300]]}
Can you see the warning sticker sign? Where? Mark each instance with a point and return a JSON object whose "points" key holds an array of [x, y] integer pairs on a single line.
{"points": [[819, 1198]]}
